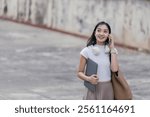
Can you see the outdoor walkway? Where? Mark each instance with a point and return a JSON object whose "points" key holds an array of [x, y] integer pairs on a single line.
{"points": [[41, 64]]}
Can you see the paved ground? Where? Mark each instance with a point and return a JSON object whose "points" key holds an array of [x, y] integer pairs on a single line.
{"points": [[41, 64]]}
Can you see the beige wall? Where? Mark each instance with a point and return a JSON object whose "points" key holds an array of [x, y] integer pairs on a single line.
{"points": [[129, 19]]}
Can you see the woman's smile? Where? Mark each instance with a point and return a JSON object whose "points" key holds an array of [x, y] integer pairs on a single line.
{"points": [[101, 37]]}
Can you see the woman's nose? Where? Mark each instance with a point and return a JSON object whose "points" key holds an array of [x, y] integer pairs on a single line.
{"points": [[101, 33]]}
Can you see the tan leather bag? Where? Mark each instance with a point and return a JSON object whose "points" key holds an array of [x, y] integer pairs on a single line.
{"points": [[121, 88]]}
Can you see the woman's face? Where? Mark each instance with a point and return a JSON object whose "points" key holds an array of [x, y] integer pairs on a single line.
{"points": [[101, 33]]}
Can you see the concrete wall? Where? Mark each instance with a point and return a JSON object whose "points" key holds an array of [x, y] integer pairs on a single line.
{"points": [[129, 19]]}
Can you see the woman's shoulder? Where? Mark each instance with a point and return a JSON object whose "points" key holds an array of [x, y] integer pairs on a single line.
{"points": [[86, 51], [87, 48]]}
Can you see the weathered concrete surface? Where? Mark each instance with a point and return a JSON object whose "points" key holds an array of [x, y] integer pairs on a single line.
{"points": [[41, 64], [129, 19]]}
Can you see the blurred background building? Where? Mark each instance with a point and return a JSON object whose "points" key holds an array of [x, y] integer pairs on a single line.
{"points": [[129, 19]]}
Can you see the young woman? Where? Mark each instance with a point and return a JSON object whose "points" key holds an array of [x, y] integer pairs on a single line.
{"points": [[100, 47]]}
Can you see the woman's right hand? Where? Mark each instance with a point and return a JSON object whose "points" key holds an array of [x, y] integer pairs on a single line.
{"points": [[93, 79]]}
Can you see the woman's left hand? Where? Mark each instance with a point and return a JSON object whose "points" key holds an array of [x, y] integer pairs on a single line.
{"points": [[111, 41]]}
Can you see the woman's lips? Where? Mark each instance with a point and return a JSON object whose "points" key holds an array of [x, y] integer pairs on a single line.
{"points": [[101, 37]]}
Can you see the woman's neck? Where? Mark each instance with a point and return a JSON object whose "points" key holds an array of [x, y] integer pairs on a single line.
{"points": [[100, 43]]}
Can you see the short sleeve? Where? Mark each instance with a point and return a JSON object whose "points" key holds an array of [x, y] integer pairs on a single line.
{"points": [[84, 52]]}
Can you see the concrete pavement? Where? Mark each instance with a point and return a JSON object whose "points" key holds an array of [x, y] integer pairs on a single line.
{"points": [[41, 64]]}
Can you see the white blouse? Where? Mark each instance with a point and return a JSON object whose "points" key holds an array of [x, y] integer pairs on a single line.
{"points": [[102, 59]]}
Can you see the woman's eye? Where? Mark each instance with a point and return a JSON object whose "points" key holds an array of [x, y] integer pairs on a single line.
{"points": [[105, 31]]}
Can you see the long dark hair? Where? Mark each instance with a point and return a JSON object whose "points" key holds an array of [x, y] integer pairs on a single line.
{"points": [[92, 39]]}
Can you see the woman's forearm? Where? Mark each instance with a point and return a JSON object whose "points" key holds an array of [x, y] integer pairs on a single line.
{"points": [[114, 61], [82, 76]]}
